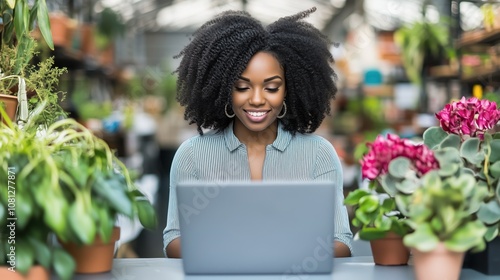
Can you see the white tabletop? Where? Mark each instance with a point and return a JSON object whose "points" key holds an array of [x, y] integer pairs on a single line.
{"points": [[343, 268]]}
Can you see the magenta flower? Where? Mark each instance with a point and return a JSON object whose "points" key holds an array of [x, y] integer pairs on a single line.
{"points": [[383, 150], [472, 117]]}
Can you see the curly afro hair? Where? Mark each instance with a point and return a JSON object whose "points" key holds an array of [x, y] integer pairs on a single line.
{"points": [[220, 50]]}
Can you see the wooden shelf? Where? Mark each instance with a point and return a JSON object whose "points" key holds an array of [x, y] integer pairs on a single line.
{"points": [[480, 74], [443, 72], [478, 37]]}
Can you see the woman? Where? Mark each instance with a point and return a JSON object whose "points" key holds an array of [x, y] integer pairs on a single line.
{"points": [[261, 91]]}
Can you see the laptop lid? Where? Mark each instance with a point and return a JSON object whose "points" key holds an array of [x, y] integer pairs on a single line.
{"points": [[256, 227]]}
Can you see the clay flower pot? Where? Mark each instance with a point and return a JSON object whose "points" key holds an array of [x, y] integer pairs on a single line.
{"points": [[96, 257], [10, 103], [37, 272], [437, 264], [390, 250]]}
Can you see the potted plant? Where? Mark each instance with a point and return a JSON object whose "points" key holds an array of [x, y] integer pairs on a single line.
{"points": [[32, 206], [468, 125], [21, 80], [394, 167], [98, 188], [420, 42], [81, 187], [440, 213]]}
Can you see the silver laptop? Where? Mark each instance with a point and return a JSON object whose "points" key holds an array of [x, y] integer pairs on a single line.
{"points": [[256, 227]]}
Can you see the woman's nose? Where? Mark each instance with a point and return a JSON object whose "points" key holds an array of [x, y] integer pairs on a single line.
{"points": [[257, 98]]}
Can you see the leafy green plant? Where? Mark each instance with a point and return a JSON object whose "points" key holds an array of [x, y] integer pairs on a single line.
{"points": [[96, 185], [67, 183], [419, 40], [110, 25], [442, 209], [375, 215], [18, 20], [18, 48], [31, 202]]}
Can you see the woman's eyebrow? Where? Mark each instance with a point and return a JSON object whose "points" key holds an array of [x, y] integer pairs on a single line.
{"points": [[265, 80], [272, 78]]}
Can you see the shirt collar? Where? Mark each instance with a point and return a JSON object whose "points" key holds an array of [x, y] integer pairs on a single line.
{"points": [[282, 140]]}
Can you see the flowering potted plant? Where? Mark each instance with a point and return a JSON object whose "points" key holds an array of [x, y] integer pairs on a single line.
{"points": [[394, 167], [468, 126]]}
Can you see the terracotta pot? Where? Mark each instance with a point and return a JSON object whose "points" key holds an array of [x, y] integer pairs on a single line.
{"points": [[438, 264], [10, 102], [94, 258], [37, 272], [390, 250]]}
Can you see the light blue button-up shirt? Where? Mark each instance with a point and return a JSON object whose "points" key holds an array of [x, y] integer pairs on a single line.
{"points": [[222, 157]]}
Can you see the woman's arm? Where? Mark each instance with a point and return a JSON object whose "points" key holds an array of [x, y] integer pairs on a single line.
{"points": [[328, 168], [173, 249], [182, 170], [341, 250]]}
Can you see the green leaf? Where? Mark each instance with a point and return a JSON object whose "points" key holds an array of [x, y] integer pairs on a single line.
{"points": [[11, 3], [19, 19], [55, 211], [451, 141], [399, 167], [364, 217], [388, 205], [8, 28], [466, 237], [24, 256], [491, 233], [422, 239], [24, 209], [388, 185], [3, 252], [403, 202], [106, 224], [437, 224], [407, 186], [369, 203], [3, 216], [42, 252], [81, 222], [433, 136], [64, 265], [113, 191], [44, 23], [495, 150], [354, 197], [370, 233], [147, 214], [383, 223], [495, 170], [470, 151], [489, 212]]}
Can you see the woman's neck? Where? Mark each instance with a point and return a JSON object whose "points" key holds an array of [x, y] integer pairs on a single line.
{"points": [[255, 138]]}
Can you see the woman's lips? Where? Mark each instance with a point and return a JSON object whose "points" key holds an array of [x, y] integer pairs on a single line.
{"points": [[257, 116]]}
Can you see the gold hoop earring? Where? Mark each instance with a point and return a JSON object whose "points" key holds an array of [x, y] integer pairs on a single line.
{"points": [[227, 114], [284, 112]]}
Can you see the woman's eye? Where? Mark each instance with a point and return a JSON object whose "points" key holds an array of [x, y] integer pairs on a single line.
{"points": [[241, 88], [273, 89]]}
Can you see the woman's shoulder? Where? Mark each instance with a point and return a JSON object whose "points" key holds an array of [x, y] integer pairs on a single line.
{"points": [[312, 139], [208, 138]]}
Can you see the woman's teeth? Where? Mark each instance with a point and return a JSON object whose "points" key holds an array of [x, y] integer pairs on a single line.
{"points": [[256, 114]]}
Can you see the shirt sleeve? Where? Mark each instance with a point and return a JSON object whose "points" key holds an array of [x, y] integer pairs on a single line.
{"points": [[182, 169], [328, 168]]}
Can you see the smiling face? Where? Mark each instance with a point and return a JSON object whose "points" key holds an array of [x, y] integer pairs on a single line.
{"points": [[258, 94]]}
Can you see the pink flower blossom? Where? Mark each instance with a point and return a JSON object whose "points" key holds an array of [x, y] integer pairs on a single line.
{"points": [[383, 150], [471, 117]]}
